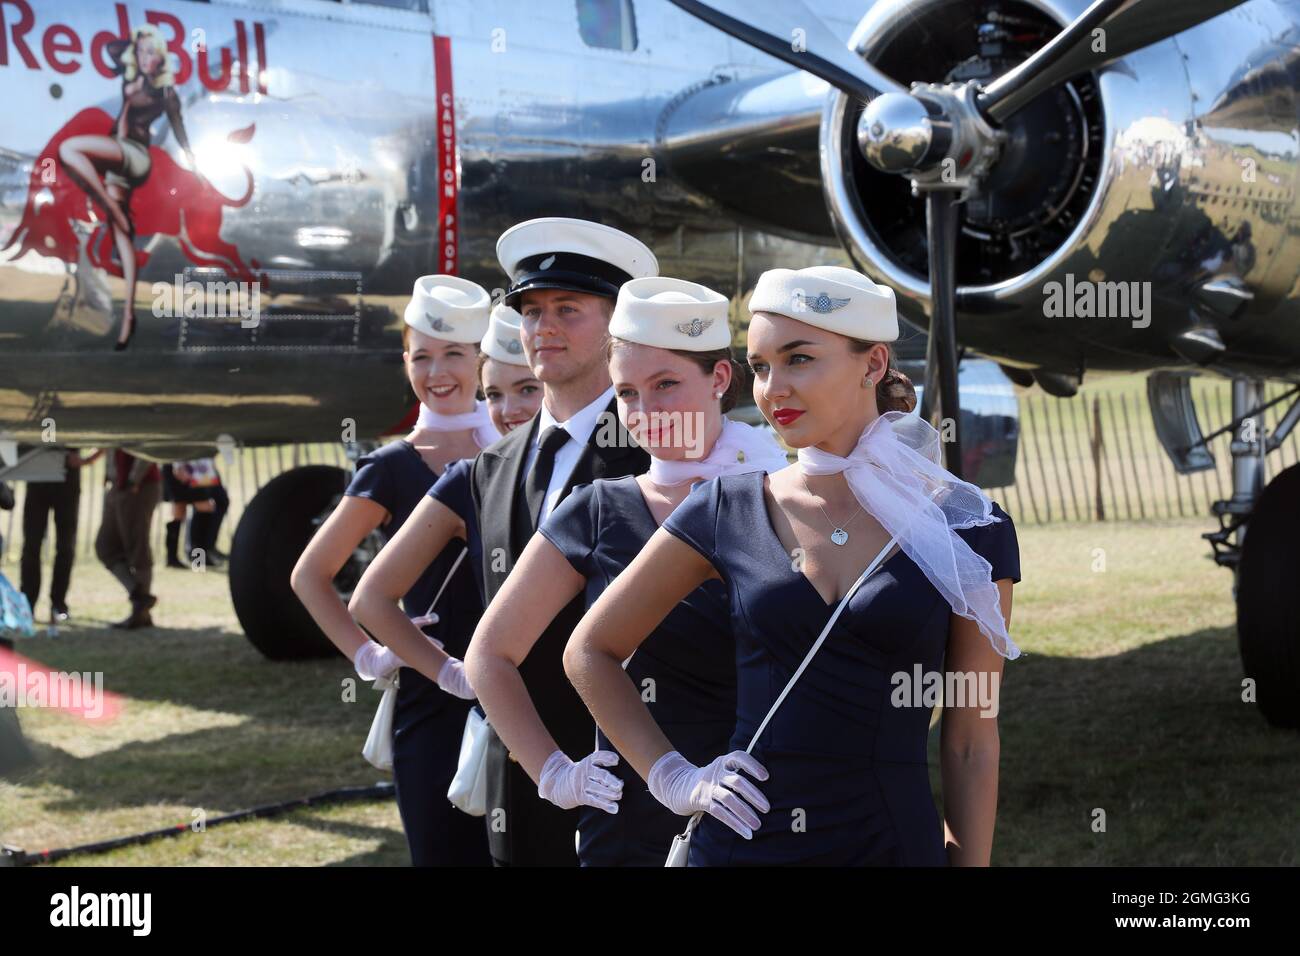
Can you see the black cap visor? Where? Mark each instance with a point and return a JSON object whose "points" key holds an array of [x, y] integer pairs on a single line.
{"points": [[566, 270], [573, 282]]}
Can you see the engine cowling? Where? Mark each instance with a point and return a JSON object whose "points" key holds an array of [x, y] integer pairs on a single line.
{"points": [[1052, 198]]}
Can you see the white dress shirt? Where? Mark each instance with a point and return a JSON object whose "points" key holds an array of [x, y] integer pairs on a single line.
{"points": [[580, 425]]}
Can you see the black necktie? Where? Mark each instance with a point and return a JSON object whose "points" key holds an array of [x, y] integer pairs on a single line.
{"points": [[539, 478]]}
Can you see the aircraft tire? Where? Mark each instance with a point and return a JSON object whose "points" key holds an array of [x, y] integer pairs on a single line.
{"points": [[272, 534], [1268, 600]]}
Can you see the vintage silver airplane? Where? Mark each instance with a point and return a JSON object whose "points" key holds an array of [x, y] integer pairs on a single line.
{"points": [[1051, 186]]}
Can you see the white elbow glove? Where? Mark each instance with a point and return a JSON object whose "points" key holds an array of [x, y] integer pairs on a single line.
{"points": [[373, 661], [718, 789], [452, 679], [567, 784]]}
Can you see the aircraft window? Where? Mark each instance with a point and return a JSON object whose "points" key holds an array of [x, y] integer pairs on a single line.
{"points": [[607, 23]]}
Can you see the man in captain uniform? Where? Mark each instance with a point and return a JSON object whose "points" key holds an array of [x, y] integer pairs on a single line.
{"points": [[565, 276]]}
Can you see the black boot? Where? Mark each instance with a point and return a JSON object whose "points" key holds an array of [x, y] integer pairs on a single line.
{"points": [[173, 542], [141, 604], [215, 557], [200, 532]]}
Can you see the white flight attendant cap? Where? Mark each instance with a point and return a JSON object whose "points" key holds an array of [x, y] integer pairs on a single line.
{"points": [[560, 253], [829, 297], [671, 314], [449, 307], [502, 341]]}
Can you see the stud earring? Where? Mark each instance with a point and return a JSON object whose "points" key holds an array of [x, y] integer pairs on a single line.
{"points": [[717, 394], [869, 382]]}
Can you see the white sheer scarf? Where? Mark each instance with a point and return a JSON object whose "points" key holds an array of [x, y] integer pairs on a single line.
{"points": [[895, 473], [740, 448], [485, 432]]}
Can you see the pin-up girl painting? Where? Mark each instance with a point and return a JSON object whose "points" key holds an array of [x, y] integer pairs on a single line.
{"points": [[110, 167], [118, 187]]}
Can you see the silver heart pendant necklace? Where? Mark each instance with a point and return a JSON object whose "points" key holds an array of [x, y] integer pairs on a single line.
{"points": [[839, 536]]}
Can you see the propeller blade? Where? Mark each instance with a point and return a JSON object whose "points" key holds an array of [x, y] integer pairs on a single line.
{"points": [[1106, 31], [940, 400], [789, 31]]}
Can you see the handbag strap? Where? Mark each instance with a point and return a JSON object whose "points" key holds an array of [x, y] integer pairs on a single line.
{"points": [[825, 631], [821, 638], [812, 651], [445, 581]]}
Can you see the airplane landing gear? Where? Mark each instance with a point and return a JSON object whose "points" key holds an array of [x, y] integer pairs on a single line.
{"points": [[1259, 529], [274, 530]]}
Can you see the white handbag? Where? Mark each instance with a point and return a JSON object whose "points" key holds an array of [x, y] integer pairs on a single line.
{"points": [[379, 742], [378, 749], [468, 790], [680, 850]]}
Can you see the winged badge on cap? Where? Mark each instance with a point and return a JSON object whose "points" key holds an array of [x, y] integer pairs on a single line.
{"points": [[696, 326], [822, 303], [437, 323], [513, 346]]}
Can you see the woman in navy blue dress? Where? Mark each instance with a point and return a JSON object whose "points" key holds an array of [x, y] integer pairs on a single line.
{"points": [[441, 526], [447, 516], [670, 364], [838, 776], [444, 322]]}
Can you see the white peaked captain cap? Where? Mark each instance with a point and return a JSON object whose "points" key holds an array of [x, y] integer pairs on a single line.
{"points": [[502, 341], [449, 307], [671, 314], [829, 297], [561, 253]]}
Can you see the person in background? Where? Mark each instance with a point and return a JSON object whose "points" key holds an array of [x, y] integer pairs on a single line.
{"points": [[6, 504], [221, 504], [193, 484], [64, 499], [122, 544]]}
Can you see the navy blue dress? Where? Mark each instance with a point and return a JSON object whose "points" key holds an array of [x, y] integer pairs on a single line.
{"points": [[685, 669], [849, 783], [428, 722]]}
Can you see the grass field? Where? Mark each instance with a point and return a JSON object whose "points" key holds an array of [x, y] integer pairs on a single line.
{"points": [[1127, 700]]}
